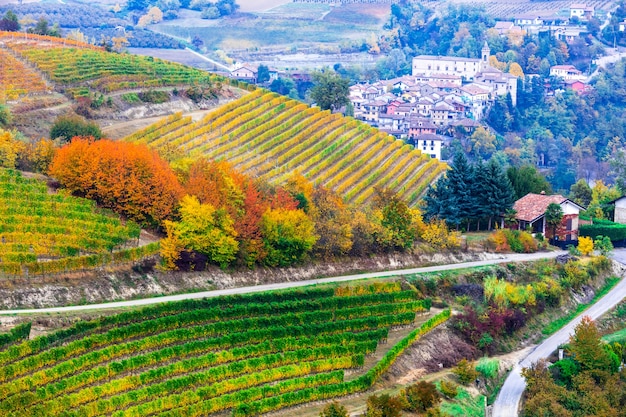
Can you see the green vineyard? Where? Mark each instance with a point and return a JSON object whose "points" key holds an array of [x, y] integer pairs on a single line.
{"points": [[45, 233], [271, 136], [80, 68], [248, 354]]}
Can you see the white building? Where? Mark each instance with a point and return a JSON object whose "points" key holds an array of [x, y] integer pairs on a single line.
{"points": [[429, 144], [620, 210], [567, 72], [466, 68], [581, 11]]}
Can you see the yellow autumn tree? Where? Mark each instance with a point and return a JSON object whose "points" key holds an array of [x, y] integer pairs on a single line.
{"points": [[203, 229], [516, 70], [10, 148], [288, 235], [585, 245], [154, 15]]}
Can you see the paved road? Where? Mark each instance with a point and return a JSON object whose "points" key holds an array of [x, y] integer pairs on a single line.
{"points": [[507, 403], [285, 285]]}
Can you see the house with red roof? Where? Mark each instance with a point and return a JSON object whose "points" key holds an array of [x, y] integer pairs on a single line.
{"points": [[531, 214]]}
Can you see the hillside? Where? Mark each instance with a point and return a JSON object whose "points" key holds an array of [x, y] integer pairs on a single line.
{"points": [[272, 136], [43, 233], [249, 354]]}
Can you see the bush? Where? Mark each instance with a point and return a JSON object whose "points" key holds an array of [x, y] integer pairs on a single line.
{"points": [[614, 231], [68, 127], [465, 371], [5, 116], [448, 388], [384, 406], [131, 98], [421, 396], [334, 409], [585, 245], [153, 96]]}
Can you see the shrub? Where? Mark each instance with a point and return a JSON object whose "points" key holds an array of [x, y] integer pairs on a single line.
{"points": [[334, 409], [603, 244], [421, 396], [5, 116], [465, 371], [154, 96], [131, 98], [614, 231], [68, 127], [448, 388], [384, 406], [585, 245]]}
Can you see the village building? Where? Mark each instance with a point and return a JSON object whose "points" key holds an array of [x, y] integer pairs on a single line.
{"points": [[619, 215], [531, 214], [567, 72]]}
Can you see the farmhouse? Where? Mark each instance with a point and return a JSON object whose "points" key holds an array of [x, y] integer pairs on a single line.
{"points": [[581, 11], [429, 144], [245, 73], [531, 213]]}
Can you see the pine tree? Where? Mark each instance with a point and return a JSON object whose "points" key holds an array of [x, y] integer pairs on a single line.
{"points": [[460, 180], [500, 195]]}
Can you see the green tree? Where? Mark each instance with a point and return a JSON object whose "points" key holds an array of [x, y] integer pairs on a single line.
{"points": [[527, 180], [554, 216], [9, 22], [581, 193], [465, 371], [618, 164], [204, 229], [5, 116], [288, 235], [483, 143], [263, 74], [334, 409], [283, 86], [330, 91], [499, 194], [397, 218], [67, 127]]}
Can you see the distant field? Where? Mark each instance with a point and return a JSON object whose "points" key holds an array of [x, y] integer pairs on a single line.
{"points": [[286, 25], [259, 5], [506, 9]]}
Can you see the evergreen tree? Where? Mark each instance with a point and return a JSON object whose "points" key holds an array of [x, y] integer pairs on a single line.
{"points": [[460, 181], [499, 196]]}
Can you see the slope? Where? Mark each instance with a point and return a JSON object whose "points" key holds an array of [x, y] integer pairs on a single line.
{"points": [[271, 136]]}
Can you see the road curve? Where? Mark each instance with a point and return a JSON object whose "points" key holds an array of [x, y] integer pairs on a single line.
{"points": [[286, 285], [508, 400]]}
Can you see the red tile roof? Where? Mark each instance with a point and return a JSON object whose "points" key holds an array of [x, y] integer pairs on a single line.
{"points": [[532, 206]]}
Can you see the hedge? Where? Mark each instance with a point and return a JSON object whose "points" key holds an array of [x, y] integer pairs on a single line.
{"points": [[615, 231]]}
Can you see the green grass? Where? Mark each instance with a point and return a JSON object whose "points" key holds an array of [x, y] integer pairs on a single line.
{"points": [[488, 367], [619, 336], [562, 321], [464, 405]]}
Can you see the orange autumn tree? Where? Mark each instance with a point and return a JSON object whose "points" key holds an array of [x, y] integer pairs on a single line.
{"points": [[127, 178]]}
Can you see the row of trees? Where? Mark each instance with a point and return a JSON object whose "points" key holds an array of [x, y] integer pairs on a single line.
{"points": [[212, 213], [470, 194]]}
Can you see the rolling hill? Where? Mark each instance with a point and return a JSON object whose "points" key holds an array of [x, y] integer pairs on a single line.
{"points": [[272, 136], [261, 133]]}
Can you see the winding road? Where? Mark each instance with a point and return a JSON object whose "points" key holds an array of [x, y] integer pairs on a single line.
{"points": [[508, 401], [286, 285]]}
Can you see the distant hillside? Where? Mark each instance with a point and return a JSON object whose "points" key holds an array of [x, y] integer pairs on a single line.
{"points": [[272, 136]]}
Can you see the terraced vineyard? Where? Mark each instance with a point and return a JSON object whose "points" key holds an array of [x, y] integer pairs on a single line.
{"points": [[17, 80], [83, 67], [249, 354], [46, 233], [272, 136]]}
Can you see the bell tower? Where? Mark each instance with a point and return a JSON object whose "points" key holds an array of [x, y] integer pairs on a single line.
{"points": [[485, 52]]}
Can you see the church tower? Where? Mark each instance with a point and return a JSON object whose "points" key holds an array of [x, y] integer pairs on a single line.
{"points": [[485, 52]]}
